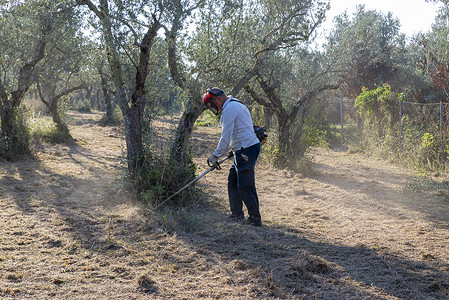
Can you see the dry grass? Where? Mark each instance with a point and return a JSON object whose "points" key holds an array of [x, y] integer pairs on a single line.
{"points": [[347, 231]]}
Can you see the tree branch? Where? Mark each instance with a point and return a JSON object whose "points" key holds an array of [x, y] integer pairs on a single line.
{"points": [[68, 91], [25, 73], [258, 98], [178, 78], [245, 79], [270, 92], [41, 95], [91, 6]]}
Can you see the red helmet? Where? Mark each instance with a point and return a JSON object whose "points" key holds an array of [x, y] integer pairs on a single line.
{"points": [[207, 97]]}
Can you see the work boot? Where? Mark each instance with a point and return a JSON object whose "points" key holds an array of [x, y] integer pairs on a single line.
{"points": [[236, 218], [255, 221]]}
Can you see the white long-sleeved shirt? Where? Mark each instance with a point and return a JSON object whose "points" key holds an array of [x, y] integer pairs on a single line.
{"points": [[237, 128]]}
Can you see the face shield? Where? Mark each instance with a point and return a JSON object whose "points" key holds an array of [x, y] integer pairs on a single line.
{"points": [[207, 100], [212, 107]]}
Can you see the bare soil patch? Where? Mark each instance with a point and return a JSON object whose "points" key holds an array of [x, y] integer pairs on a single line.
{"points": [[349, 230]]}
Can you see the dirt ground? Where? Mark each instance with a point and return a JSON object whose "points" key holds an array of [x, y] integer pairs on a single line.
{"points": [[348, 230]]}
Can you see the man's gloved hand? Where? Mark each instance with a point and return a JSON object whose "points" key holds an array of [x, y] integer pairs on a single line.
{"points": [[212, 161]]}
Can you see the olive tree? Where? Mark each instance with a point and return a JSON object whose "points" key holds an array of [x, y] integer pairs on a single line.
{"points": [[59, 74], [119, 21], [435, 49], [367, 46], [230, 45], [287, 85], [26, 31]]}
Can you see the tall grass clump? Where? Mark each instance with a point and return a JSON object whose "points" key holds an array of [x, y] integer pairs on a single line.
{"points": [[46, 131]]}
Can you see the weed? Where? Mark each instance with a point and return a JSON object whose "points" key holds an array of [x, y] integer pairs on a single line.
{"points": [[16, 277], [161, 177], [147, 284], [424, 183], [179, 219]]}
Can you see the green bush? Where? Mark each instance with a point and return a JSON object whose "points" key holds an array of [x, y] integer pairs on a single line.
{"points": [[161, 177], [429, 155], [419, 148], [379, 105]]}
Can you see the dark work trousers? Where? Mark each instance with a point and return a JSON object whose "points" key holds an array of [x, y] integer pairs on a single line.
{"points": [[242, 183]]}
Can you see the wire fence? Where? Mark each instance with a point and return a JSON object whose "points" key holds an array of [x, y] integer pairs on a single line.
{"points": [[416, 117]]}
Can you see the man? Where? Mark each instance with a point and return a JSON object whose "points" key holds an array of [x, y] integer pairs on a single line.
{"points": [[237, 135]]}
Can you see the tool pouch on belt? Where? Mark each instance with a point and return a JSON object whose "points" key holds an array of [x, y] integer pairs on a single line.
{"points": [[244, 162]]}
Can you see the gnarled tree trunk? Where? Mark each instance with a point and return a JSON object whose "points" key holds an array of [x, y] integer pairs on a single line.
{"points": [[106, 94], [131, 109], [9, 105], [52, 104]]}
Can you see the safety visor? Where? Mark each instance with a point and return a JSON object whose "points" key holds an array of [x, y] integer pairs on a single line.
{"points": [[207, 100]]}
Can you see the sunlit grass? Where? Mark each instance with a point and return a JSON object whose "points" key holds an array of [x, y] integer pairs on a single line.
{"points": [[44, 130]]}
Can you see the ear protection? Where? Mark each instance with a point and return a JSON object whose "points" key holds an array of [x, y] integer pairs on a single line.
{"points": [[214, 92]]}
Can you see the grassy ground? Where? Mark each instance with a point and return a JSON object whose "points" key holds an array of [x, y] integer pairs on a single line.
{"points": [[352, 229]]}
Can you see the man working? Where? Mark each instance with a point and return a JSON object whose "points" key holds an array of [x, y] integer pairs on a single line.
{"points": [[237, 135]]}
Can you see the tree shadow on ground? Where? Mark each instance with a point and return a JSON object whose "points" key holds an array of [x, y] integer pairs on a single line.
{"points": [[299, 265], [285, 262], [39, 192], [282, 261], [374, 184]]}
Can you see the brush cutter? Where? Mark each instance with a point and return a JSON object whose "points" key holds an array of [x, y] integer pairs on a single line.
{"points": [[212, 167]]}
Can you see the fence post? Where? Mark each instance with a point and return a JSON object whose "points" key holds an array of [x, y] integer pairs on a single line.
{"points": [[442, 133], [400, 124], [341, 121]]}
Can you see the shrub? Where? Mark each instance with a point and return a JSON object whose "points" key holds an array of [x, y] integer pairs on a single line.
{"points": [[379, 105], [161, 177], [430, 151]]}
